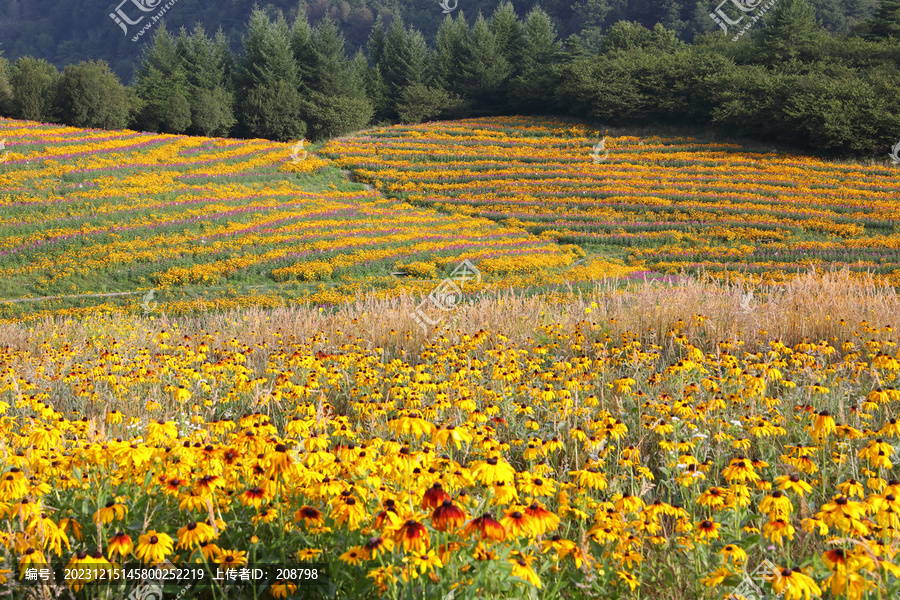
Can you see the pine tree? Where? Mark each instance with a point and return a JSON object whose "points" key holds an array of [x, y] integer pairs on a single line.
{"points": [[376, 91], [507, 30], [160, 75], [268, 57], [376, 42], [540, 38], [790, 32], [531, 91], [304, 52], [329, 76], [273, 112], [268, 80], [404, 61], [887, 19], [487, 70], [451, 52], [335, 102]]}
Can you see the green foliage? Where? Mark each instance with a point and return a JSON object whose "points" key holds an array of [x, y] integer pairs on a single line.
{"points": [[404, 62], [268, 56], [486, 71], [90, 95], [212, 113], [451, 52], [33, 82], [332, 116], [540, 38], [887, 20], [178, 114], [629, 36], [790, 32], [5, 88], [160, 75], [422, 103], [507, 30], [274, 112]]}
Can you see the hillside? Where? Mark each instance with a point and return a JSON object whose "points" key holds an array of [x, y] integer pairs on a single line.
{"points": [[494, 358], [96, 219]]}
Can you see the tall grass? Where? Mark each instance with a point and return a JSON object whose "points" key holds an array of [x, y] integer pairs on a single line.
{"points": [[810, 307]]}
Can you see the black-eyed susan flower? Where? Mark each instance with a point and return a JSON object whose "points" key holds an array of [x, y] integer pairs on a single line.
{"points": [[120, 544], [516, 522], [194, 534], [590, 478], [310, 516], [111, 512], [354, 556], [734, 553], [80, 567], [541, 519], [348, 511], [452, 436], [68, 524], [628, 579], [153, 547], [536, 486], [266, 515], [424, 561], [434, 496], [160, 431], [708, 530], [824, 424], [447, 516], [45, 529], [255, 497], [412, 535], [493, 470], [741, 470], [210, 550], [487, 527], [795, 585], [840, 510], [793, 483], [283, 589], [777, 529], [378, 545], [13, 485], [776, 505], [229, 559], [521, 568], [851, 488]]}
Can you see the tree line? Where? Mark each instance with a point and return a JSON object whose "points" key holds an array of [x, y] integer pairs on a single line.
{"points": [[787, 80]]}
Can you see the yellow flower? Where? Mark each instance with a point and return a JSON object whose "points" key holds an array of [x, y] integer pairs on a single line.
{"points": [[110, 512], [153, 547], [795, 584], [195, 533]]}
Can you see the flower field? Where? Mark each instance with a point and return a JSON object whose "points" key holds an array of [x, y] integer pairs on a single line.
{"points": [[664, 204], [222, 223], [173, 389], [582, 460]]}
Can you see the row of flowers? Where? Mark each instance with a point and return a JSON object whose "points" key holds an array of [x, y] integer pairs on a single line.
{"points": [[648, 195]]}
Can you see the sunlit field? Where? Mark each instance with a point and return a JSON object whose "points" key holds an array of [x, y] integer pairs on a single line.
{"points": [[591, 420], [92, 220], [664, 203]]}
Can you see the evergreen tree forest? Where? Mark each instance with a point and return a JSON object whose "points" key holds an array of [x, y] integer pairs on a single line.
{"points": [[810, 74]]}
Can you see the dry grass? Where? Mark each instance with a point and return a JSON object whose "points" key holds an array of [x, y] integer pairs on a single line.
{"points": [[810, 307]]}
